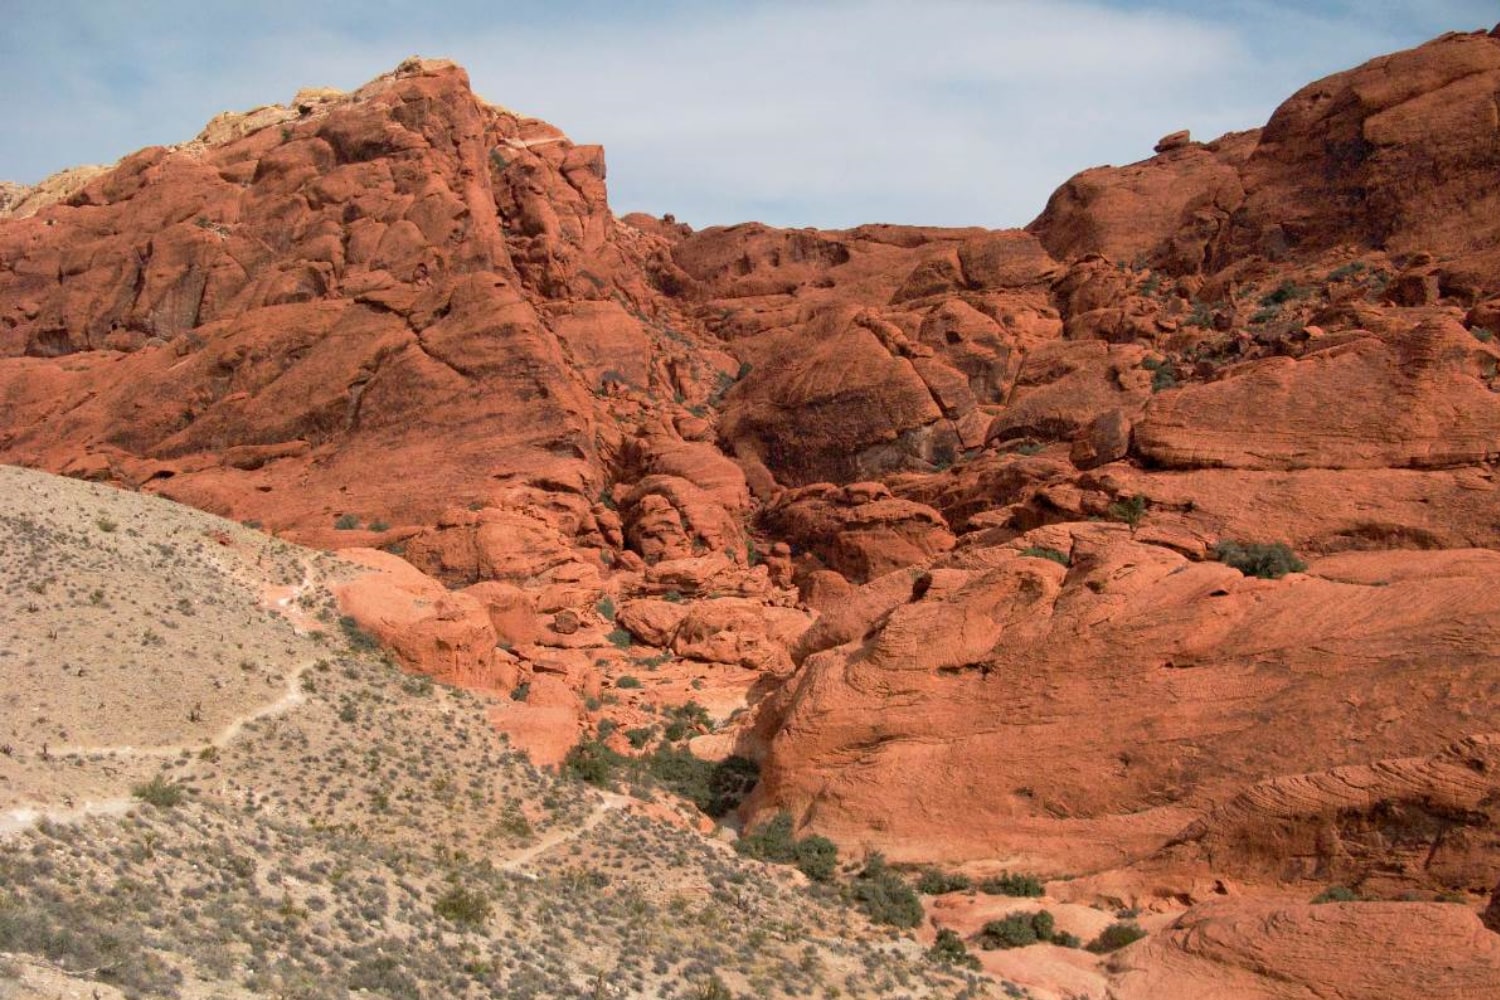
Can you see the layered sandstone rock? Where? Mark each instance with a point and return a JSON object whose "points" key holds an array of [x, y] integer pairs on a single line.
{"points": [[938, 507]]}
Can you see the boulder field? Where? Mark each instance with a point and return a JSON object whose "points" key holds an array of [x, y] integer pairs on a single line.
{"points": [[1152, 548]]}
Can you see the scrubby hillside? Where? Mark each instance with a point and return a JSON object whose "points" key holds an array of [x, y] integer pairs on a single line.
{"points": [[265, 804]]}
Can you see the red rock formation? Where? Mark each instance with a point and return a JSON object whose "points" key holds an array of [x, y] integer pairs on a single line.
{"points": [[939, 505], [1360, 951]]}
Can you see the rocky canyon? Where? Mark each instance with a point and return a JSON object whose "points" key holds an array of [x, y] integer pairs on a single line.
{"points": [[1151, 550]]}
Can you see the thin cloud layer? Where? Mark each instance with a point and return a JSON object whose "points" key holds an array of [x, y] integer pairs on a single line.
{"points": [[950, 112]]}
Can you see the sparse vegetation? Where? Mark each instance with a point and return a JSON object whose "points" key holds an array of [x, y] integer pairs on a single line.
{"points": [[1287, 291], [949, 949], [1042, 552], [1008, 884], [885, 898], [1336, 894], [159, 792], [463, 906], [1116, 936], [1017, 930], [1269, 561], [935, 883], [1130, 511]]}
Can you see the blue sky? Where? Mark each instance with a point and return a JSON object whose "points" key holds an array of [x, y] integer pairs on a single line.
{"points": [[946, 112]]}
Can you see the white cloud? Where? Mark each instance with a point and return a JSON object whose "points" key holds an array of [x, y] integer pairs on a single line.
{"points": [[956, 112]]}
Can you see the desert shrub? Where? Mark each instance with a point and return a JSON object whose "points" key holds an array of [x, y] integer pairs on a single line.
{"points": [[620, 639], [1201, 316], [1336, 894], [87, 941], [1041, 552], [1010, 884], [358, 639], [1285, 292], [383, 975], [462, 906], [1482, 335], [949, 949], [817, 857], [1116, 936], [935, 883], [715, 787], [1017, 930], [606, 608], [1269, 561], [346, 522], [1131, 511], [628, 682], [686, 718], [592, 763], [639, 737], [771, 841], [730, 780], [884, 897], [1162, 375], [159, 792]]}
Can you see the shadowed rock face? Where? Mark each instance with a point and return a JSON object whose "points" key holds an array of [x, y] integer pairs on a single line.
{"points": [[939, 507]]}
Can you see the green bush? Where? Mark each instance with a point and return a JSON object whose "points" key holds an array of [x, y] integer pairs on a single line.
{"points": [[1012, 885], [346, 522], [1482, 335], [686, 718], [620, 639], [1162, 376], [1269, 561], [159, 792], [1041, 552], [1116, 936], [592, 763], [817, 858], [771, 841], [1336, 894], [1131, 511], [717, 788], [949, 949], [1017, 930], [1285, 292], [606, 608], [461, 906], [884, 897], [935, 883], [628, 682], [358, 639]]}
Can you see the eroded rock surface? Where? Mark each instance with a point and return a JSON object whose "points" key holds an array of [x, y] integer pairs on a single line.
{"points": [[925, 521]]}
